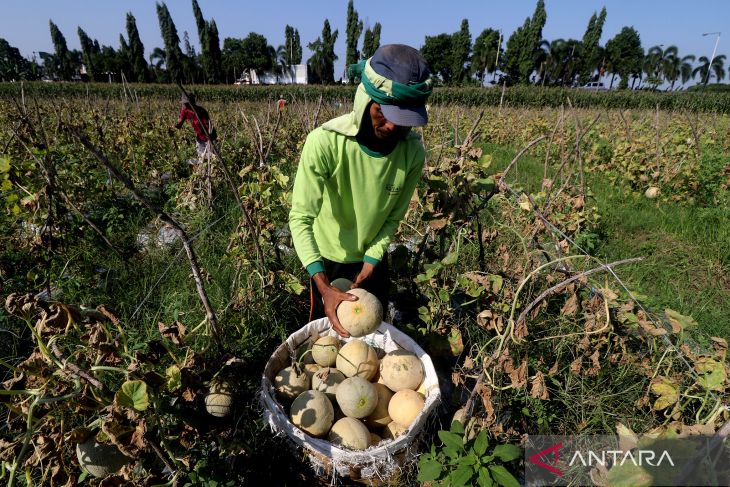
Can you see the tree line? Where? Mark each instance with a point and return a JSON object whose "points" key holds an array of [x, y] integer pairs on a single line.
{"points": [[523, 58]]}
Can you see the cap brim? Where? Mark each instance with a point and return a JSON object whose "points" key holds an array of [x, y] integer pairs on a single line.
{"points": [[405, 116]]}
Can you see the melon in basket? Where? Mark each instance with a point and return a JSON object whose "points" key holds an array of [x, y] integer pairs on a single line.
{"points": [[380, 417], [324, 350], [350, 433], [401, 369], [218, 400], [405, 406], [357, 397], [360, 317], [357, 358], [291, 381], [100, 459], [393, 430], [312, 412], [326, 380]]}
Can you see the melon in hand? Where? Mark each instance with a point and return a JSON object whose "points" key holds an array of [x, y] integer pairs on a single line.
{"points": [[360, 317]]}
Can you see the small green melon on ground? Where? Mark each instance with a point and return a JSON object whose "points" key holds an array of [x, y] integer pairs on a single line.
{"points": [[357, 397], [652, 192], [324, 351], [380, 417], [218, 400], [401, 369], [312, 412], [100, 459], [405, 406], [291, 381], [342, 284], [393, 430], [360, 317], [350, 433], [326, 380], [357, 358]]}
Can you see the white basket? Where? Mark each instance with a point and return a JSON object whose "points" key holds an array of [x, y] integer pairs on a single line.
{"points": [[377, 462]]}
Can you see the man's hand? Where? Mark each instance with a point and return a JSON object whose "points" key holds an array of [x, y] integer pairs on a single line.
{"points": [[365, 273], [332, 297]]}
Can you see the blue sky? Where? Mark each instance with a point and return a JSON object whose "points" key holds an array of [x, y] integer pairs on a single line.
{"points": [[25, 24]]}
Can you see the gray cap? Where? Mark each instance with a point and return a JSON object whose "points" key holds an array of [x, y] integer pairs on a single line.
{"points": [[405, 65]]}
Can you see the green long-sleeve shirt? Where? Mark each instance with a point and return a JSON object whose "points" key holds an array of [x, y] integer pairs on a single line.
{"points": [[348, 201]]}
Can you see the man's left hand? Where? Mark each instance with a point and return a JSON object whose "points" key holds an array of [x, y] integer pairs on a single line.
{"points": [[365, 273]]}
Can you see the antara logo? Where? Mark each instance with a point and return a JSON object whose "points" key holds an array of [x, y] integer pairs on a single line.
{"points": [[619, 457], [555, 449]]}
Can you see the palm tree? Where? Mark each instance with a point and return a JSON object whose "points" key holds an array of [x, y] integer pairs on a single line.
{"points": [[674, 67], [652, 66], [718, 67], [159, 55], [550, 58]]}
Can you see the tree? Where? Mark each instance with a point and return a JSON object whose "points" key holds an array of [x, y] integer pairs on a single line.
{"points": [[323, 60], [371, 41], [718, 67], [173, 54], [209, 45], [251, 53], [137, 62], [63, 69], [354, 29], [523, 46], [436, 51], [460, 53], [484, 55], [591, 53], [13, 66], [293, 46], [625, 54], [558, 62], [674, 67], [89, 52]]}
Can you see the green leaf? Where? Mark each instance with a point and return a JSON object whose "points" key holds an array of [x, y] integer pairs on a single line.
{"points": [[629, 475], [450, 259], [469, 460], [679, 321], [451, 440], [483, 478], [486, 184], [174, 378], [667, 391], [457, 427], [714, 374], [462, 476], [452, 452], [481, 443], [4, 165], [507, 452], [291, 283], [503, 477], [430, 470], [133, 394]]}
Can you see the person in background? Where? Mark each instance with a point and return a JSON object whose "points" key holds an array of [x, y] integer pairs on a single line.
{"points": [[281, 104], [356, 176], [198, 118]]}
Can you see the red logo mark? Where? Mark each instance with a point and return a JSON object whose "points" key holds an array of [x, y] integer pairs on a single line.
{"points": [[553, 449]]}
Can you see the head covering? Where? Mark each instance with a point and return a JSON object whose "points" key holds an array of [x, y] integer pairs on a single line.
{"points": [[397, 77], [188, 98]]}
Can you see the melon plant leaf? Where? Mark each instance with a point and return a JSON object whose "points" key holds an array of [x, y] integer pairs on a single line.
{"points": [[450, 259], [483, 478], [174, 378], [457, 427], [133, 394], [714, 374], [481, 443], [451, 440], [4, 165], [667, 391], [679, 321], [462, 476], [507, 452], [429, 470], [503, 477]]}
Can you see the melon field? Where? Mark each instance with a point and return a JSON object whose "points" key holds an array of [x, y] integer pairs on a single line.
{"points": [[566, 269]]}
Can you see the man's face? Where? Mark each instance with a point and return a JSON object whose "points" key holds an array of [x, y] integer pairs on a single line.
{"points": [[383, 129]]}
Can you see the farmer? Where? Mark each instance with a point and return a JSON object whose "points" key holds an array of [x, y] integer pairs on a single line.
{"points": [[355, 179], [281, 104], [202, 119]]}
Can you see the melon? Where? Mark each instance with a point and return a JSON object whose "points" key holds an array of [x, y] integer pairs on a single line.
{"points": [[218, 400], [380, 417], [312, 412], [401, 369], [100, 459], [311, 369], [357, 358], [350, 433], [360, 317], [393, 430], [357, 397], [405, 406], [342, 284], [374, 439], [324, 351], [326, 380], [291, 381], [652, 192]]}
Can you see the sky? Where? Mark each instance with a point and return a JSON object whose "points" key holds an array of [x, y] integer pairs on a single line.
{"points": [[666, 22]]}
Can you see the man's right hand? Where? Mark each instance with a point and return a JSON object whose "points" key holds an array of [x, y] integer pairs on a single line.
{"points": [[332, 297]]}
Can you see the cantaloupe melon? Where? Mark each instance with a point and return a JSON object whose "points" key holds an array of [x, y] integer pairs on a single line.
{"points": [[218, 400], [311, 369], [350, 433], [312, 412], [326, 380], [291, 381], [356, 397], [380, 418], [374, 439], [393, 430], [401, 369], [357, 358], [360, 317], [324, 350], [342, 284], [100, 459], [404, 406], [652, 192]]}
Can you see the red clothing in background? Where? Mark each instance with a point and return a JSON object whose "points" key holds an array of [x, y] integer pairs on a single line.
{"points": [[187, 113]]}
